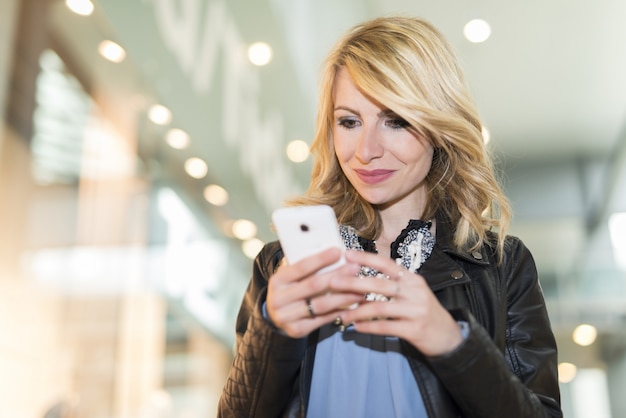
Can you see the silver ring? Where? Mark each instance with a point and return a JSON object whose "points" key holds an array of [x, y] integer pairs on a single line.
{"points": [[309, 307]]}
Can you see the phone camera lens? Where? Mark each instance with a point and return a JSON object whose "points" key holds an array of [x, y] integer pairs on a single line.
{"points": [[304, 228]]}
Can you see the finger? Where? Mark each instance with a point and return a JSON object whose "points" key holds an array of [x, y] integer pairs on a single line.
{"points": [[379, 263], [309, 318], [372, 311], [312, 264], [366, 285], [309, 306], [388, 327], [303, 327], [335, 302], [438, 335], [300, 310], [312, 307], [321, 305], [317, 284]]}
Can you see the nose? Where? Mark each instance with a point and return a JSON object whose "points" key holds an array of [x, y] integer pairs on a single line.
{"points": [[369, 146]]}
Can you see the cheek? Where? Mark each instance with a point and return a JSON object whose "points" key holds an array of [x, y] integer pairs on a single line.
{"points": [[342, 151], [428, 155], [427, 158], [420, 156]]}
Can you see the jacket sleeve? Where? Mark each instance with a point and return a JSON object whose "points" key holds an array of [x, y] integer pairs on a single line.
{"points": [[266, 363], [520, 382]]}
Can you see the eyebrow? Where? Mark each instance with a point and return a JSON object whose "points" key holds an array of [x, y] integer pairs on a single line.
{"points": [[383, 112], [347, 109]]}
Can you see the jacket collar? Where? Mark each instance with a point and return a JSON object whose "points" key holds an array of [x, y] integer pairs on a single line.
{"points": [[445, 242]]}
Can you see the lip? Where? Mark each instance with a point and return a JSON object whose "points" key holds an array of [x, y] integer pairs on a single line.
{"points": [[373, 176]]}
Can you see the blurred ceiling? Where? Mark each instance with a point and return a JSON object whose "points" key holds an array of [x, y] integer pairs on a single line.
{"points": [[550, 85]]}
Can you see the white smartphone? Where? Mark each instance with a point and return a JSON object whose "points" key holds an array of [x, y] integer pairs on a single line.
{"points": [[307, 230]]}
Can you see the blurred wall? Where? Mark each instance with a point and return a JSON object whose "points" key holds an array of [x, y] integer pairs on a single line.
{"points": [[8, 11]]}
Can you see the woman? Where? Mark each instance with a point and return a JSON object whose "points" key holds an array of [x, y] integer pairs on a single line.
{"points": [[453, 321]]}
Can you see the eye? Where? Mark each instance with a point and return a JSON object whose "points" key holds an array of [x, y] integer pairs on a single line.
{"points": [[396, 122], [348, 122]]}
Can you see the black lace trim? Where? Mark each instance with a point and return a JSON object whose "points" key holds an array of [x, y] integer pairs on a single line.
{"points": [[404, 249]]}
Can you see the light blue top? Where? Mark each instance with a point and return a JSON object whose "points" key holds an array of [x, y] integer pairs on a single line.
{"points": [[362, 375]]}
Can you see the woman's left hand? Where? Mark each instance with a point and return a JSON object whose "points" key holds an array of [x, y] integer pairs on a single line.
{"points": [[413, 313]]}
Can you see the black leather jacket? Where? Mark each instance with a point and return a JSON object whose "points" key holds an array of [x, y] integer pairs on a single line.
{"points": [[506, 367]]}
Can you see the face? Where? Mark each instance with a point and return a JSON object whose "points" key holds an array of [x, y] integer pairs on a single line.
{"points": [[384, 161]]}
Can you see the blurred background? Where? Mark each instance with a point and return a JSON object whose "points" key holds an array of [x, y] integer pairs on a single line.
{"points": [[144, 143]]}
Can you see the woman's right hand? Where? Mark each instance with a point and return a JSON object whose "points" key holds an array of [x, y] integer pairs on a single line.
{"points": [[298, 296]]}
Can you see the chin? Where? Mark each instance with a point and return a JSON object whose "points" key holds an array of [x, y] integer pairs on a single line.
{"points": [[376, 200]]}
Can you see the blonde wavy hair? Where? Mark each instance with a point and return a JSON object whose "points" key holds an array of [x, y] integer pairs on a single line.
{"points": [[406, 65]]}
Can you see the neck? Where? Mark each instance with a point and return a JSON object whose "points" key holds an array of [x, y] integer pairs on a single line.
{"points": [[395, 218], [392, 229]]}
